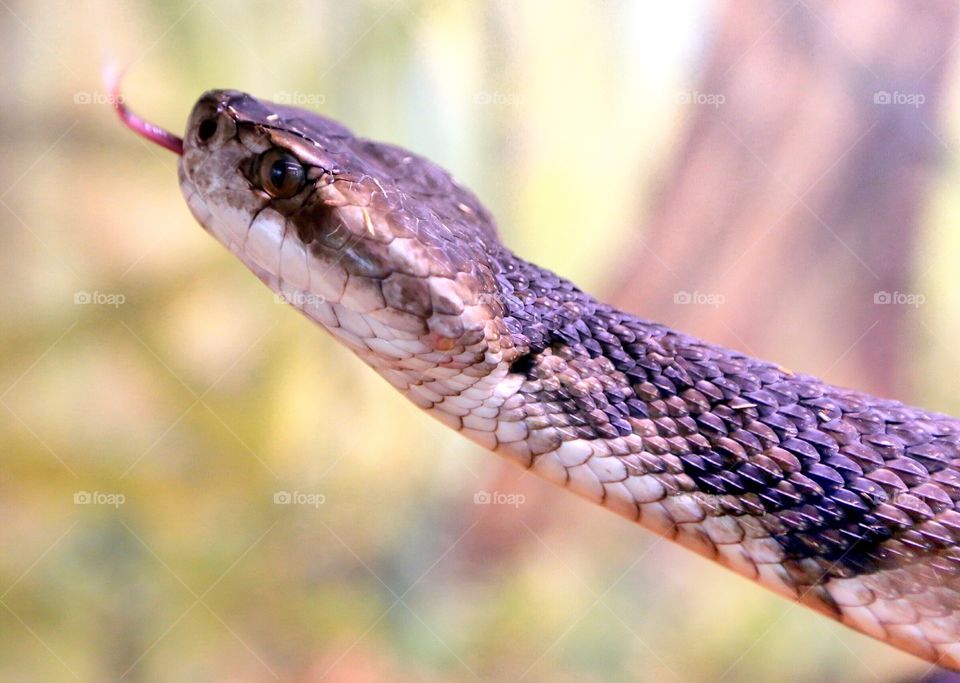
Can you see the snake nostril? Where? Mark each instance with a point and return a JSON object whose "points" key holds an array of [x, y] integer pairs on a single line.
{"points": [[207, 129]]}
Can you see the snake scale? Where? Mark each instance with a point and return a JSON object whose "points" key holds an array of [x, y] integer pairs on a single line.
{"points": [[845, 502]]}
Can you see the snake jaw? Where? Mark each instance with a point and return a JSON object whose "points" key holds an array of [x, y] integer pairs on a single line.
{"points": [[350, 250], [361, 252]]}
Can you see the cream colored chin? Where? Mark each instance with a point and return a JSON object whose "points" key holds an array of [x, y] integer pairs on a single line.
{"points": [[282, 263], [228, 232], [352, 308], [198, 207]]}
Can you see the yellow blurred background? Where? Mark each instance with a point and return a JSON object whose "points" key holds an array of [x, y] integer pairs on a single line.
{"points": [[146, 434]]}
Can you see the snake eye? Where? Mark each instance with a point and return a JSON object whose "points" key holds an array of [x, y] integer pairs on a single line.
{"points": [[281, 174]]}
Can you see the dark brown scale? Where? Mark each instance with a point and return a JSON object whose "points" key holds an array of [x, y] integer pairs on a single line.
{"points": [[820, 461]]}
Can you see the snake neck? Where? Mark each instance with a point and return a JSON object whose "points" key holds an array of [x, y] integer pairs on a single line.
{"points": [[533, 318], [556, 366], [672, 431]]}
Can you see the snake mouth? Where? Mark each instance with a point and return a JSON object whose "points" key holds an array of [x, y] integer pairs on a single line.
{"points": [[140, 126]]}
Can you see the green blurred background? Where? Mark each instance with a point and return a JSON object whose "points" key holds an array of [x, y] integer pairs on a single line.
{"points": [[198, 398]]}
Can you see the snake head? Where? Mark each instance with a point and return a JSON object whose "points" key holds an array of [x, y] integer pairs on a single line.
{"points": [[380, 246]]}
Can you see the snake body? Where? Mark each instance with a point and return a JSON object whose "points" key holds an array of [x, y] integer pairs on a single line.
{"points": [[840, 500]]}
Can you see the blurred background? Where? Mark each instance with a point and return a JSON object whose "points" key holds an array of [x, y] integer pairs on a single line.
{"points": [[198, 484]]}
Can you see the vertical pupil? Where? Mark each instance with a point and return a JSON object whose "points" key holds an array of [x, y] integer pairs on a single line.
{"points": [[278, 172]]}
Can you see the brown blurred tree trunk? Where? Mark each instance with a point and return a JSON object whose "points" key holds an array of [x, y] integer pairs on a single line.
{"points": [[796, 190]]}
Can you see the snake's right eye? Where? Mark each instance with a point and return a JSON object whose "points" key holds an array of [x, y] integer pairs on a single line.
{"points": [[207, 129], [281, 174]]}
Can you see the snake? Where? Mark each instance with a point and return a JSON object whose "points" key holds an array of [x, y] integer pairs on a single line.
{"points": [[839, 500]]}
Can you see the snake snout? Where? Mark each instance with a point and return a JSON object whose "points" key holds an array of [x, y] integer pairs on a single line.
{"points": [[210, 123]]}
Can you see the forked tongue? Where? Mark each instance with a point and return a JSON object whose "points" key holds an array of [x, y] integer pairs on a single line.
{"points": [[146, 129]]}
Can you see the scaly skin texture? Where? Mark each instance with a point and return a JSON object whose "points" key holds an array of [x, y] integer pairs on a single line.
{"points": [[841, 500]]}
